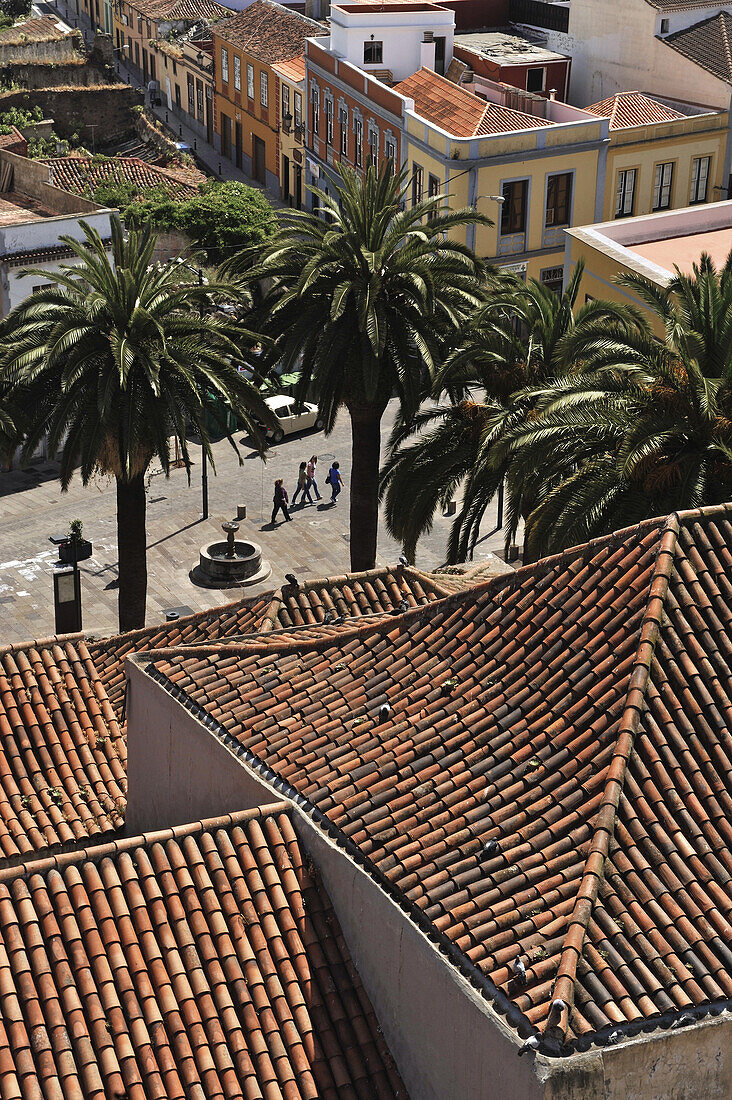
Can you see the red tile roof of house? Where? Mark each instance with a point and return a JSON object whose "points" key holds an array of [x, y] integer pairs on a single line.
{"points": [[461, 113], [187, 10], [293, 69], [633, 109], [62, 756], [82, 175], [708, 43], [553, 781], [201, 961], [45, 29], [269, 32]]}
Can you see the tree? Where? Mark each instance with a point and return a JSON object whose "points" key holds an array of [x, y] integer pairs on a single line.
{"points": [[517, 341], [111, 359], [224, 218], [641, 427], [361, 300]]}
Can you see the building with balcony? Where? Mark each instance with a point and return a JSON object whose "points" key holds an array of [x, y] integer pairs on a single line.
{"points": [[247, 86], [140, 27], [291, 76], [34, 215], [663, 154]]}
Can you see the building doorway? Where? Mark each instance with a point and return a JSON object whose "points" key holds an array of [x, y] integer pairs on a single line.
{"points": [[285, 181], [259, 153], [440, 55], [298, 187], [238, 143]]}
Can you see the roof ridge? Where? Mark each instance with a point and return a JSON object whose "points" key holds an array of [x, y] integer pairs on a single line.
{"points": [[604, 823], [42, 643], [96, 852]]}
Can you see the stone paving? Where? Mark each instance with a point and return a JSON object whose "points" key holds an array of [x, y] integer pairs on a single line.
{"points": [[32, 507]]}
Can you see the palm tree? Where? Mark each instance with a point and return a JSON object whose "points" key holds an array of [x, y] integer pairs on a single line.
{"points": [[516, 342], [361, 301], [642, 427], [111, 359]]}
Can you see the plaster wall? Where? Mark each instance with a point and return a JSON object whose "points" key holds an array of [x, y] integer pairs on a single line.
{"points": [[615, 49], [446, 1040], [177, 770], [402, 35]]}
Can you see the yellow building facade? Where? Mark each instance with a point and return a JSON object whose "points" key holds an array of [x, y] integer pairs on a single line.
{"points": [[663, 155], [291, 90], [544, 167]]}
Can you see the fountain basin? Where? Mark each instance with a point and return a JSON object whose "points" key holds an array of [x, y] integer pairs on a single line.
{"points": [[230, 564]]}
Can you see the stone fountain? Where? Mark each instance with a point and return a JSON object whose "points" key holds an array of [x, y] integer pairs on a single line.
{"points": [[230, 564]]}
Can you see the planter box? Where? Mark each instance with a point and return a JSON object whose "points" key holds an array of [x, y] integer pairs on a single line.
{"points": [[66, 551]]}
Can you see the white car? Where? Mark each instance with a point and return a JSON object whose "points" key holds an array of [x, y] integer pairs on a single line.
{"points": [[291, 417]]}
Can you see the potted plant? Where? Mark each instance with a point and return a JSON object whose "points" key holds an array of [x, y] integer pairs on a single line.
{"points": [[75, 548]]}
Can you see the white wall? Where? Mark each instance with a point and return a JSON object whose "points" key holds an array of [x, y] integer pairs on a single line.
{"points": [[614, 48], [402, 34], [45, 233]]}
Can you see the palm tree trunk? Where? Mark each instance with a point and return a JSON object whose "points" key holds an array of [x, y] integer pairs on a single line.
{"points": [[132, 550], [366, 446]]}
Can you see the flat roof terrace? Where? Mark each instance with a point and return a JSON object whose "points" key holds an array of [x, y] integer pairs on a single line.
{"points": [[684, 252], [17, 208]]}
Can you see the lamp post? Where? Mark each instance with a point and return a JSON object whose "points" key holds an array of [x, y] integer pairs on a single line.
{"points": [[204, 458], [499, 199]]}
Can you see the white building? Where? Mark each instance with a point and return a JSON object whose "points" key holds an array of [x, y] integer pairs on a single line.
{"points": [[34, 216], [397, 39]]}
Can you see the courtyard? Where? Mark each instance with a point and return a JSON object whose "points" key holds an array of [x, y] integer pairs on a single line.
{"points": [[316, 543]]}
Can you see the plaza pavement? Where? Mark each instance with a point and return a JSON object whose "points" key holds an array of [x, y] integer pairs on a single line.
{"points": [[32, 507]]}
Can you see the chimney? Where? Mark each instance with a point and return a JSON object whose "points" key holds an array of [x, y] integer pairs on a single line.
{"points": [[552, 94], [427, 50]]}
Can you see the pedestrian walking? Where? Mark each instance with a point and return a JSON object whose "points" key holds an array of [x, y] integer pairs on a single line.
{"points": [[280, 500], [335, 481], [302, 486], [311, 470]]}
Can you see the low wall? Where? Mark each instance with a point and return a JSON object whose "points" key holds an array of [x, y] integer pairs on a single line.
{"points": [[33, 178], [57, 75], [31, 52], [107, 108]]}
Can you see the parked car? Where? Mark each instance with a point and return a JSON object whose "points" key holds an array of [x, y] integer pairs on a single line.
{"points": [[292, 417]]}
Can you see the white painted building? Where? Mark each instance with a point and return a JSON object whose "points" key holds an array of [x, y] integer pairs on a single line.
{"points": [[397, 38], [34, 216]]}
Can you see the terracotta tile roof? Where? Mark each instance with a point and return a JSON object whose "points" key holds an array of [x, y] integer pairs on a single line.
{"points": [[82, 175], [633, 109], [553, 781], [293, 70], [189, 10], [45, 29], [62, 756], [458, 112], [202, 961], [708, 43], [269, 32], [351, 595]]}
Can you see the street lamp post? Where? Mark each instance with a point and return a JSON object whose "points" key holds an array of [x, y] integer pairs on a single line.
{"points": [[204, 458]]}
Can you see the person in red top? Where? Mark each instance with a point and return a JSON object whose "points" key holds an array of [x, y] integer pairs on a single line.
{"points": [[280, 500]]}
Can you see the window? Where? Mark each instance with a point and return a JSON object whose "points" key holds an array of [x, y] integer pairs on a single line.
{"points": [[513, 211], [699, 179], [177, 96], [329, 121], [374, 146], [139, 24], [535, 80], [191, 95], [358, 129], [664, 26], [199, 99], [250, 82], [149, 31], [417, 184], [285, 103], [174, 69], [237, 73], [315, 102], [390, 149], [625, 193], [558, 199], [433, 189], [343, 120], [224, 65], [662, 186], [373, 53], [552, 278], [298, 109], [263, 88]]}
